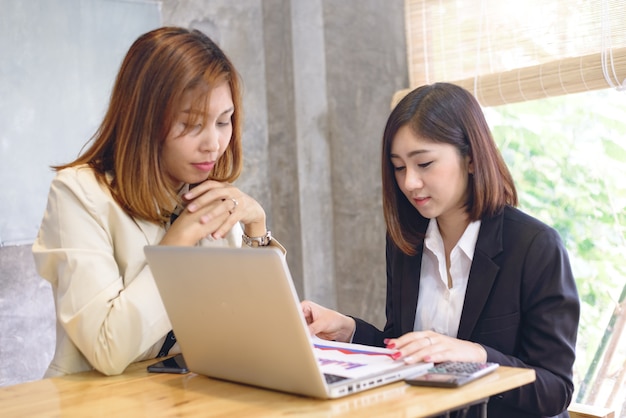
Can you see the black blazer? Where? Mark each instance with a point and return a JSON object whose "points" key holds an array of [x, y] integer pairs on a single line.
{"points": [[521, 305]]}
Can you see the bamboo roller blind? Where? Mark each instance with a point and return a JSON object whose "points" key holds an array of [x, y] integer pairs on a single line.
{"points": [[506, 52]]}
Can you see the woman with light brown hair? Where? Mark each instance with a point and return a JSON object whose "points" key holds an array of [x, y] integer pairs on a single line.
{"points": [[168, 149]]}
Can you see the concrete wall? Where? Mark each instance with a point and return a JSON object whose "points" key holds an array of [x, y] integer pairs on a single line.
{"points": [[319, 76]]}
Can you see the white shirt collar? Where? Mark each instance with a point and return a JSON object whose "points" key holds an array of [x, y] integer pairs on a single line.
{"points": [[467, 242]]}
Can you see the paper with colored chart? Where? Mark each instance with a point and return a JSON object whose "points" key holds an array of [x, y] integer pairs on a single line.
{"points": [[353, 360]]}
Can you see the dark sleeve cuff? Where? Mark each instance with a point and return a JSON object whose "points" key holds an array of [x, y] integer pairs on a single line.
{"points": [[367, 334]]}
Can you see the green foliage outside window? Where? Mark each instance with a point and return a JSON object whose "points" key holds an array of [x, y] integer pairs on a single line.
{"points": [[567, 155]]}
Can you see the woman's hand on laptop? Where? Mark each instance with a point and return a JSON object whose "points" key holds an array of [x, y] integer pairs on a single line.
{"points": [[326, 323]]}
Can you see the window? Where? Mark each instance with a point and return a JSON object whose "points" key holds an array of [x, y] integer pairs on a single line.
{"points": [[508, 52]]}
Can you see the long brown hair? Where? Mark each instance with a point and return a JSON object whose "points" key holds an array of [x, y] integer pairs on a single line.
{"points": [[158, 69], [444, 113]]}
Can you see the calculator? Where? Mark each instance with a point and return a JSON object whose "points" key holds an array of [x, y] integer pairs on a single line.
{"points": [[451, 374]]}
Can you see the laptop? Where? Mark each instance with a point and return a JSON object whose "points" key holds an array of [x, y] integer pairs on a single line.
{"points": [[237, 317]]}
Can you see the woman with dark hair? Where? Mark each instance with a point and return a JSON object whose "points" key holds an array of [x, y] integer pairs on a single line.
{"points": [[174, 122], [469, 277]]}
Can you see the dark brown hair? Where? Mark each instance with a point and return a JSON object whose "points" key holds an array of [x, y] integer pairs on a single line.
{"points": [[444, 113], [159, 68]]}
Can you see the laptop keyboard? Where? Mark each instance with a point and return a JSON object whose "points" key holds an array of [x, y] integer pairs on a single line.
{"points": [[332, 378]]}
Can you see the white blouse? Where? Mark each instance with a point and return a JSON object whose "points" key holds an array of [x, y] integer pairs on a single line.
{"points": [[439, 307]]}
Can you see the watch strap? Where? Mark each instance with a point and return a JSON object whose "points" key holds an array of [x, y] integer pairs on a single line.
{"points": [[262, 241]]}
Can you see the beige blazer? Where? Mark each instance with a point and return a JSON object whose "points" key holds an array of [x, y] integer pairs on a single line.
{"points": [[109, 312]]}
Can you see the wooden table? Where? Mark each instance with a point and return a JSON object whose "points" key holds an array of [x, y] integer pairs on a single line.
{"points": [[137, 393]]}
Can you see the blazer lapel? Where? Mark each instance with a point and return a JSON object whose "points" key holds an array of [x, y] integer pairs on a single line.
{"points": [[482, 273], [153, 232], [410, 291]]}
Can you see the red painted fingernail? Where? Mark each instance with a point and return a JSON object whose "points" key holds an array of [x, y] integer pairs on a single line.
{"points": [[396, 356], [392, 345]]}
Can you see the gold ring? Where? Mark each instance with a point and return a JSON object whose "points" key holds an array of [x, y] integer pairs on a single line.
{"points": [[234, 206]]}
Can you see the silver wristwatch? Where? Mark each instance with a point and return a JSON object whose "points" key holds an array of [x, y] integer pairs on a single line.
{"points": [[262, 241]]}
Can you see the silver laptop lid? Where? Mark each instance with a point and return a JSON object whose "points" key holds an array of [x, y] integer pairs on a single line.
{"points": [[237, 316]]}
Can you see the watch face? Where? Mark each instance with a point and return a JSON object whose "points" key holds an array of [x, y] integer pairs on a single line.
{"points": [[262, 241]]}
